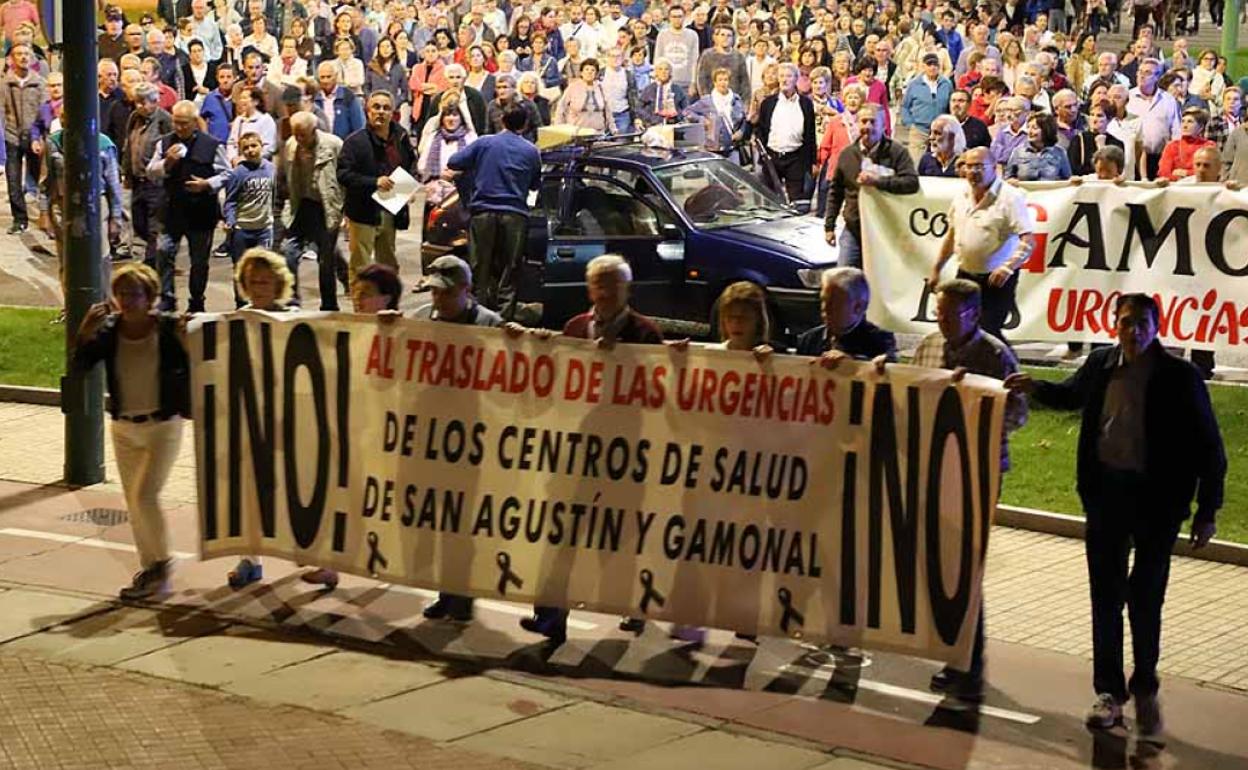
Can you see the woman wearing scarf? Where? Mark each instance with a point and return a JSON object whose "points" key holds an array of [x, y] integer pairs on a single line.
{"points": [[724, 112], [451, 136]]}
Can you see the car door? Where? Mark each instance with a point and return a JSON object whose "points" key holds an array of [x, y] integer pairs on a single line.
{"points": [[606, 215]]}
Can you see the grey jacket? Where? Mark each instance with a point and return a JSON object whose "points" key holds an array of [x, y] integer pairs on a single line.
{"points": [[20, 104], [324, 178]]}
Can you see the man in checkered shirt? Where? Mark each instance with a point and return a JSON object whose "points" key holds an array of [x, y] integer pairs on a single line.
{"points": [[962, 346]]}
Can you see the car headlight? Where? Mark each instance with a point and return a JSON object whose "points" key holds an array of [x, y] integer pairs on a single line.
{"points": [[811, 277]]}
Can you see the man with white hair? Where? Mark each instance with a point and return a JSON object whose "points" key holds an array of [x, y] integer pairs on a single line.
{"points": [[608, 279], [1069, 122], [312, 213], [342, 108], [193, 167], [1158, 113], [786, 127], [844, 296], [1126, 129], [661, 101]]}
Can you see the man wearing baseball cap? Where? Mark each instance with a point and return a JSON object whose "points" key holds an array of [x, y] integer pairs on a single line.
{"points": [[450, 280], [925, 99]]}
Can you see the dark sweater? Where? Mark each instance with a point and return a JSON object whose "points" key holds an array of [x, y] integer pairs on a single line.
{"points": [[1184, 452], [844, 187], [864, 342], [175, 365]]}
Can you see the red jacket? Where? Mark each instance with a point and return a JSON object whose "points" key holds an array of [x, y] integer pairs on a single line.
{"points": [[637, 329], [1180, 154]]}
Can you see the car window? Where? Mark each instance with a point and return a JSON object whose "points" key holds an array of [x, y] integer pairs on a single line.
{"points": [[719, 193], [605, 208], [548, 198]]}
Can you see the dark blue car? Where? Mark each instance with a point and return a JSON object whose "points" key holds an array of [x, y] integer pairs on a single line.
{"points": [[689, 222]]}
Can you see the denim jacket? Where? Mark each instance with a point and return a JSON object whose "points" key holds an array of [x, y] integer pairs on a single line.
{"points": [[1045, 165]]}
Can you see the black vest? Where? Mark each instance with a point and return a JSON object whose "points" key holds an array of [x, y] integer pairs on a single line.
{"points": [[186, 210]]}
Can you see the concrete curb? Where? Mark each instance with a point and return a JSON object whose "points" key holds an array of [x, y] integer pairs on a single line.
{"points": [[1007, 515], [1073, 527]]}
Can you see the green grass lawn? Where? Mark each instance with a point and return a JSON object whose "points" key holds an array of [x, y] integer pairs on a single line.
{"points": [[1042, 452], [32, 349], [1042, 457]]}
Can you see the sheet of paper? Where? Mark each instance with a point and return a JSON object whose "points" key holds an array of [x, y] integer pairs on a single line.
{"points": [[397, 197]]}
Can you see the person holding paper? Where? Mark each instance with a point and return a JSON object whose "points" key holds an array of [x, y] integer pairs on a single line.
{"points": [[373, 161]]}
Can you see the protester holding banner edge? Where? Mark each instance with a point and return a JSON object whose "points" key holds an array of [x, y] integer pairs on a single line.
{"points": [[963, 347], [1148, 443]]}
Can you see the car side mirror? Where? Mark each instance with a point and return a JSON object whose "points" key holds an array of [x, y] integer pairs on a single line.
{"points": [[672, 232]]}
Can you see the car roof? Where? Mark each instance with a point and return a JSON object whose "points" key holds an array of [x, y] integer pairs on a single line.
{"points": [[634, 154]]}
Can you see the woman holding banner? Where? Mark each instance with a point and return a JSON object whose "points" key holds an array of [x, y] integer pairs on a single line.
{"points": [[266, 284], [148, 375]]}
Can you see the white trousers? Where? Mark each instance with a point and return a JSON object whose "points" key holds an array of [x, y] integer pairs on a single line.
{"points": [[145, 454]]}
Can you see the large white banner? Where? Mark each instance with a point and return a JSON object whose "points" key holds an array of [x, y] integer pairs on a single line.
{"points": [[703, 487], [1185, 244]]}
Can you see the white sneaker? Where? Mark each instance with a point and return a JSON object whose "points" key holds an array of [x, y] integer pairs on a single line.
{"points": [[1105, 713]]}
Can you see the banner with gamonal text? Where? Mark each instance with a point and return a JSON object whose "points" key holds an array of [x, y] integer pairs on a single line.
{"points": [[700, 486], [1187, 245]]}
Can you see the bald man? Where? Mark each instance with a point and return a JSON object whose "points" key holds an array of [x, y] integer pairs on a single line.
{"points": [[193, 167]]}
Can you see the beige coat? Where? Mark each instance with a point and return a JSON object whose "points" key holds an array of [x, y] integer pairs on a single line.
{"points": [[324, 178]]}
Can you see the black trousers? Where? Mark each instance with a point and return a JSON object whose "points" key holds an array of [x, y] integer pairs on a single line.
{"points": [[1152, 164], [495, 246], [997, 302], [1125, 518], [792, 171], [145, 217], [199, 246], [308, 230], [22, 162]]}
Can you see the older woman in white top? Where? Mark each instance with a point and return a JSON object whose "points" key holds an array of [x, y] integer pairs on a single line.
{"points": [[349, 68]]}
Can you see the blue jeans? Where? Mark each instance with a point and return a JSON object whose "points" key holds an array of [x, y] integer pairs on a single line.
{"points": [[850, 253], [240, 241], [623, 122]]}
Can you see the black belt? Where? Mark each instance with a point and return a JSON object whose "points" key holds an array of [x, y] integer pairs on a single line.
{"points": [[784, 155], [139, 419]]}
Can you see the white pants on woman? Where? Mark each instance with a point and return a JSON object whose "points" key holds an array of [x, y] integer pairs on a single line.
{"points": [[145, 454]]}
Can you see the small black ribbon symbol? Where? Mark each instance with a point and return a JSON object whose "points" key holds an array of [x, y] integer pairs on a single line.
{"points": [[647, 582], [374, 555], [790, 615], [507, 576]]}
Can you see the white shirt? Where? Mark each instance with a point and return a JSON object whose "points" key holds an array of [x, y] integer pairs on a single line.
{"points": [[787, 124], [1126, 132], [138, 362], [986, 234], [1159, 118]]}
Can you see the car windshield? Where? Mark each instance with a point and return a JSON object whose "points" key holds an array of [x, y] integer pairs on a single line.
{"points": [[719, 193]]}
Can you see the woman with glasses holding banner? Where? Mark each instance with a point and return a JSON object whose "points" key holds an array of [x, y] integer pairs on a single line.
{"points": [[148, 376]]}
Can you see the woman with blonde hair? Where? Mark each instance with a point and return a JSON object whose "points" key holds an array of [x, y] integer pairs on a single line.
{"points": [[148, 376], [264, 281]]}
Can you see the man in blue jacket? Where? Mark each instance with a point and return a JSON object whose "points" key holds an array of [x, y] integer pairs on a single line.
{"points": [[218, 108], [341, 106], [925, 99], [505, 168]]}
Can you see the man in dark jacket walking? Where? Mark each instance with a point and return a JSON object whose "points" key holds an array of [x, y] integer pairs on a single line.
{"points": [[504, 169], [147, 125], [368, 158], [1148, 444], [786, 127], [194, 167], [872, 161]]}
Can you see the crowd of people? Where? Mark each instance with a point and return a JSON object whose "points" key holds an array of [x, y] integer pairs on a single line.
{"points": [[278, 121]]}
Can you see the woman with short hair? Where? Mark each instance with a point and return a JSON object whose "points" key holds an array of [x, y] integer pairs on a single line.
{"points": [[1039, 159]]}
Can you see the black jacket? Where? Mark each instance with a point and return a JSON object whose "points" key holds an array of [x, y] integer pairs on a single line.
{"points": [[361, 161], [175, 365], [809, 143], [843, 188], [864, 342], [1185, 457], [1082, 149], [976, 132]]}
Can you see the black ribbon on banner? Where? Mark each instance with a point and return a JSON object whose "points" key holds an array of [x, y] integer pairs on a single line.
{"points": [[374, 555], [649, 594], [506, 575], [790, 615]]}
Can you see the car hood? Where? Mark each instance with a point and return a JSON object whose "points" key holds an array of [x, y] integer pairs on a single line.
{"points": [[800, 237]]}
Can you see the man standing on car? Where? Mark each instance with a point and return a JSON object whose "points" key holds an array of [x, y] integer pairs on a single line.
{"points": [[786, 127], [505, 168], [872, 161]]}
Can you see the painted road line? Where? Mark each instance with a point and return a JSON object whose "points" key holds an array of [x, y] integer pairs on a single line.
{"points": [[519, 610], [90, 542], [930, 698]]}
